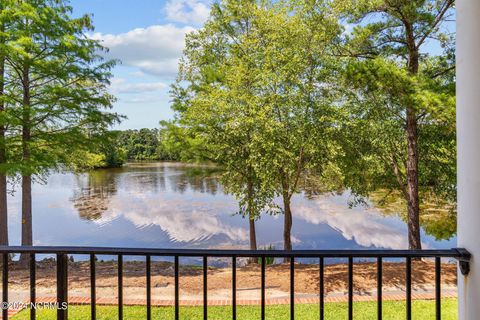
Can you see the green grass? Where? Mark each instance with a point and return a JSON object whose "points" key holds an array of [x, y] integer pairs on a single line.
{"points": [[392, 310]]}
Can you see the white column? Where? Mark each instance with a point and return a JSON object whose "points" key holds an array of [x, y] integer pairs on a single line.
{"points": [[468, 131]]}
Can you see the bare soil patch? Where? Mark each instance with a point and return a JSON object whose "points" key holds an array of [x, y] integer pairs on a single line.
{"points": [[220, 279]]}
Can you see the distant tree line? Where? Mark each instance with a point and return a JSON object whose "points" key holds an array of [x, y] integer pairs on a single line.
{"points": [[121, 146], [146, 144]]}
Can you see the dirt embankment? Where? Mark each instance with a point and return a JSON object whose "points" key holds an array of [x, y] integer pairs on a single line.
{"points": [[220, 279]]}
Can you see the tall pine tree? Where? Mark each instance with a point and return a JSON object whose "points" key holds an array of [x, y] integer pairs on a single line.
{"points": [[58, 87], [391, 37]]}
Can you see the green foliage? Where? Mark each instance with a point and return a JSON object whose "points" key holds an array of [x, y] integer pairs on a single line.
{"points": [[54, 95], [374, 128], [218, 111], [107, 154], [57, 86], [179, 143], [148, 144], [112, 151], [395, 89], [140, 144], [268, 260], [258, 97], [118, 147]]}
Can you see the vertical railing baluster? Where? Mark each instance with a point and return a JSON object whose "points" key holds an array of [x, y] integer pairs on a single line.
{"points": [[120, 287], [62, 286], [262, 279], [350, 288], [205, 288], [177, 302], [149, 286], [93, 288], [438, 288], [5, 285], [234, 288], [33, 280], [292, 288], [379, 287], [408, 289], [322, 288]]}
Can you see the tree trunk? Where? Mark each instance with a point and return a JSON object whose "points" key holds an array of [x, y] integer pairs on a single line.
{"points": [[251, 216], [3, 157], [414, 241], [253, 235], [251, 221], [253, 238], [27, 230], [3, 190], [3, 211], [287, 229], [3, 177], [27, 233], [27, 238], [413, 203]]}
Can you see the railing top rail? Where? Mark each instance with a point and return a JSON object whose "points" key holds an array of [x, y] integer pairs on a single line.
{"points": [[458, 253]]}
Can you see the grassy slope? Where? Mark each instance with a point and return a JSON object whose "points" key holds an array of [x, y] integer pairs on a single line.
{"points": [[362, 311]]}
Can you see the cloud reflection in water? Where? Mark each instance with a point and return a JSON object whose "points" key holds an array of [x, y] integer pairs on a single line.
{"points": [[367, 227], [178, 218]]}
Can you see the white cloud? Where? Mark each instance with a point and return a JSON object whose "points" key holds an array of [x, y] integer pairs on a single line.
{"points": [[143, 99], [154, 50], [120, 85], [137, 74], [180, 223], [366, 227], [187, 11]]}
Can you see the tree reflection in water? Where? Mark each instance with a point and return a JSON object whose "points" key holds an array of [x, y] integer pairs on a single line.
{"points": [[93, 192], [438, 217], [94, 189], [198, 179]]}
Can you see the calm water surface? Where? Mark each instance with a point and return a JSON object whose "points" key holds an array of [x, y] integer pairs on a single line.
{"points": [[170, 205]]}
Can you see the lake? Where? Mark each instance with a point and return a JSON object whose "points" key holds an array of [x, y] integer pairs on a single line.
{"points": [[173, 205]]}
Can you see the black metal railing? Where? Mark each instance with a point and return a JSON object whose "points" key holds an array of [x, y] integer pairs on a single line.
{"points": [[62, 253]]}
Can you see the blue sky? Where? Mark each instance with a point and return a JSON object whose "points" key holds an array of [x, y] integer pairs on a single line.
{"points": [[148, 37]]}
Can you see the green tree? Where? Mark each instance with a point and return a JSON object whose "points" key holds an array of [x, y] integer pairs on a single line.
{"points": [[140, 144], [398, 93], [219, 107], [57, 82], [261, 99], [3, 127], [105, 151], [178, 142], [293, 58], [113, 154]]}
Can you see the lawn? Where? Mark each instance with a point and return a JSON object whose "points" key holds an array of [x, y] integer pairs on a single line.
{"points": [[393, 310]]}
